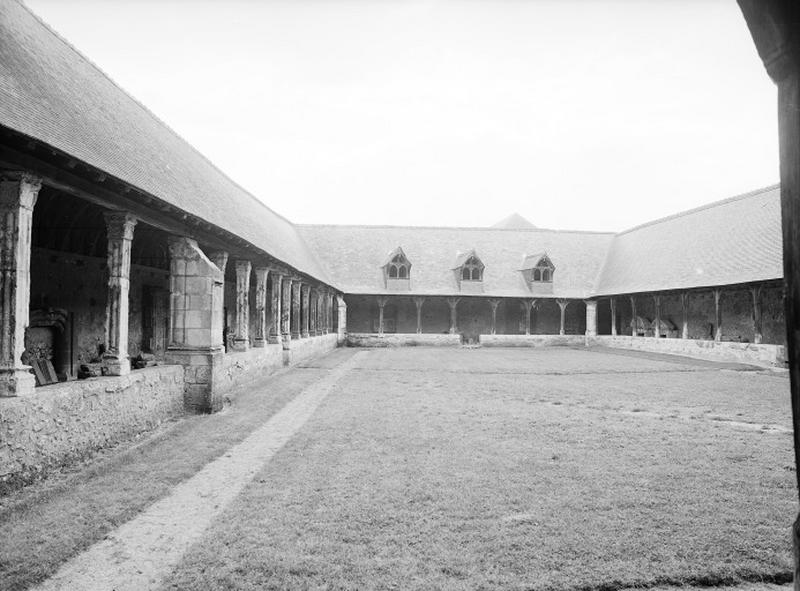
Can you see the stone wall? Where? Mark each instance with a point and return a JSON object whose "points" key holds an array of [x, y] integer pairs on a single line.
{"points": [[66, 421], [763, 355], [241, 367], [402, 340], [509, 340]]}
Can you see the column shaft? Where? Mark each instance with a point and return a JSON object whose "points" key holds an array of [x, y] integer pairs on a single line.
{"points": [[295, 309], [613, 303], [275, 309], [591, 318], [119, 231], [241, 340], [18, 193], [260, 338], [286, 305], [306, 311]]}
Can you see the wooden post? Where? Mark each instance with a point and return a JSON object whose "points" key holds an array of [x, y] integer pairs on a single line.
{"points": [[562, 303], [493, 303], [657, 320], [685, 315], [773, 25], [633, 316], [418, 301], [453, 303], [613, 303], [591, 318], [533, 316], [755, 290], [717, 316], [381, 304]]}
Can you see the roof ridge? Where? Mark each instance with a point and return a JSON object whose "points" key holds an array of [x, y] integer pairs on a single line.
{"points": [[673, 216], [139, 104], [479, 228]]}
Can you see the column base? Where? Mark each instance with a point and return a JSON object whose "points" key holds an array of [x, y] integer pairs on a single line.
{"points": [[259, 343], [305, 334], [113, 366], [240, 345], [286, 341], [202, 371], [16, 382], [274, 339]]}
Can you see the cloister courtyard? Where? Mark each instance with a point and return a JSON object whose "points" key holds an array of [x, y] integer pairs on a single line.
{"points": [[420, 468]]}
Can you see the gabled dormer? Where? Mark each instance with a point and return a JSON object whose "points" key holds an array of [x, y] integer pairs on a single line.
{"points": [[537, 270], [468, 270], [397, 271]]}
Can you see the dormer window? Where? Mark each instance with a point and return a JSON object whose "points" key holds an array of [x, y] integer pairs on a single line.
{"points": [[399, 267], [538, 270], [472, 270], [397, 270], [468, 271]]}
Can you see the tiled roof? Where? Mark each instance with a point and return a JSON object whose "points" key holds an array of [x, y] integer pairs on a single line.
{"points": [[50, 92], [354, 255], [737, 240]]}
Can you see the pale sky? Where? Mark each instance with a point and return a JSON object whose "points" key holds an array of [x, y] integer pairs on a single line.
{"points": [[585, 115]]}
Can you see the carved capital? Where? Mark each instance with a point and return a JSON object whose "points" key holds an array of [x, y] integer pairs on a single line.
{"points": [[119, 225], [18, 189]]}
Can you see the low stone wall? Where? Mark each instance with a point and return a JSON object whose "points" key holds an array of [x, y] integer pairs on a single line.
{"points": [[533, 340], [312, 347], [764, 355], [241, 367], [403, 340], [63, 422]]}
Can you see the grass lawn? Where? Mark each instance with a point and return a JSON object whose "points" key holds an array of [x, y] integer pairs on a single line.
{"points": [[518, 469]]}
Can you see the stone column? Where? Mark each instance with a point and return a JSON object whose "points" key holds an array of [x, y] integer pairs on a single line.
{"points": [[18, 193], [755, 290], [275, 308], [381, 304], [260, 338], [562, 304], [342, 327], [330, 311], [591, 318], [418, 301], [633, 316], [286, 305], [295, 309], [195, 322], [685, 315], [305, 301], [657, 320], [241, 339], [453, 303], [119, 231], [493, 303], [220, 260], [613, 303], [717, 316]]}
